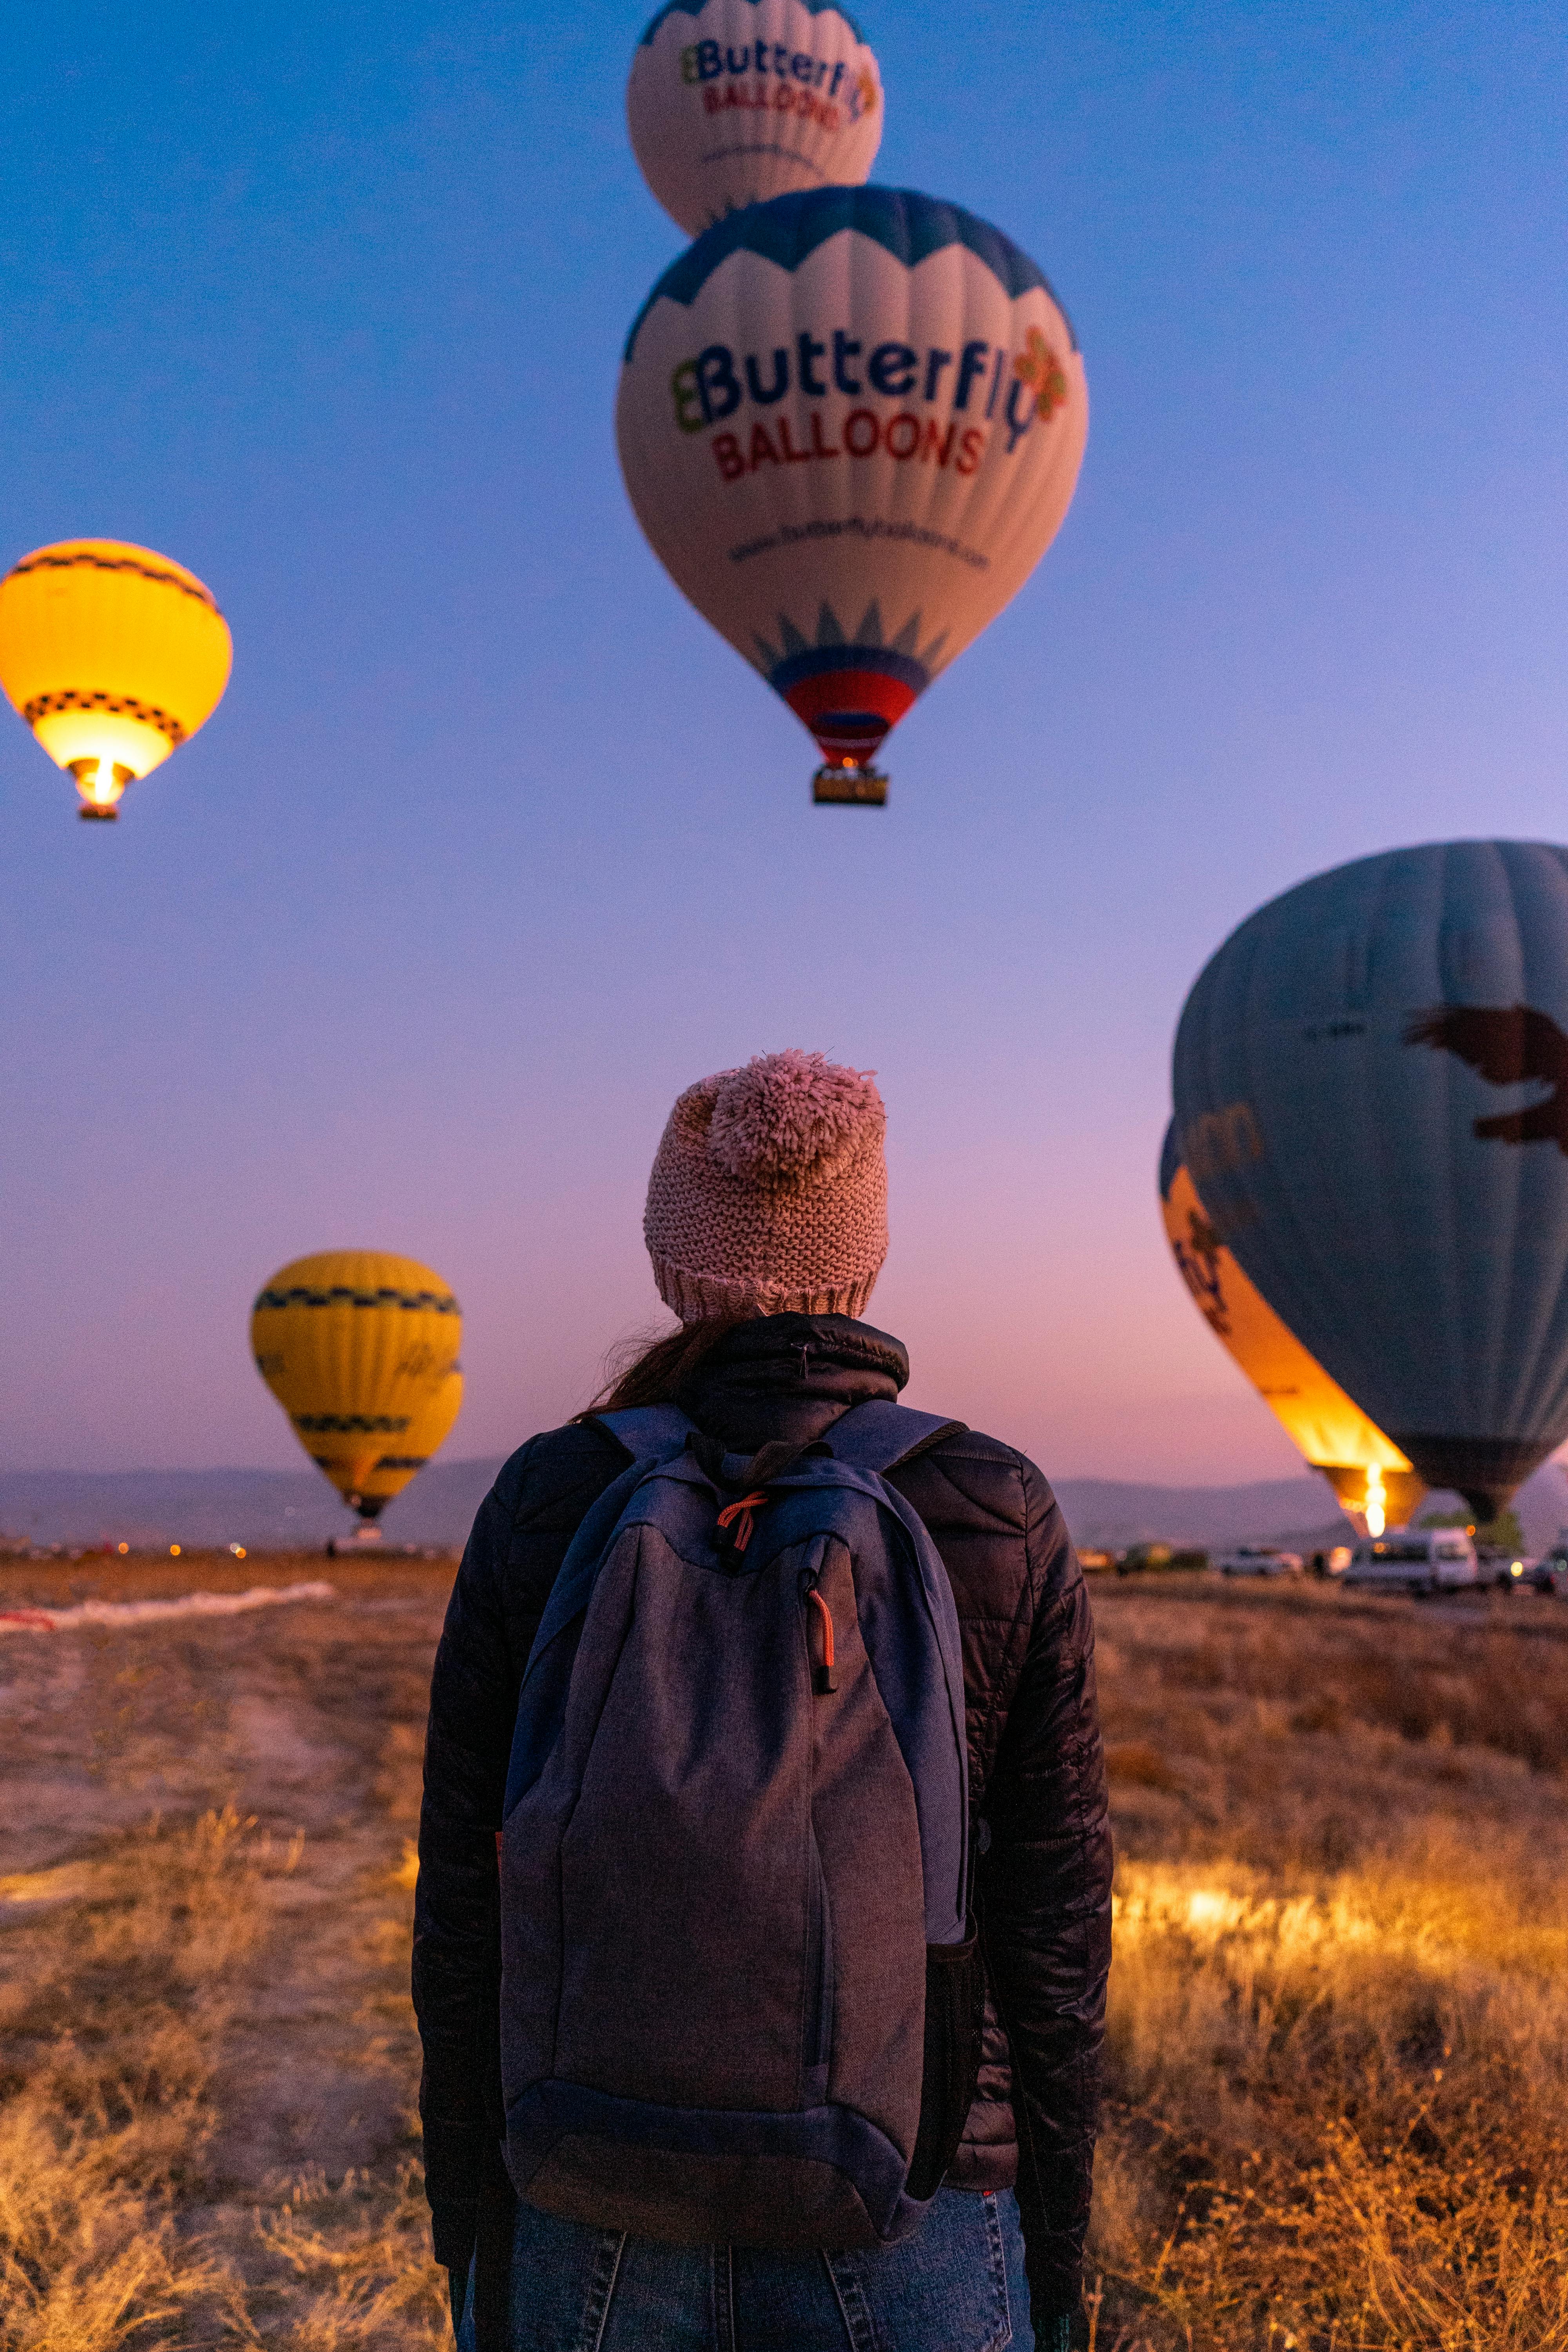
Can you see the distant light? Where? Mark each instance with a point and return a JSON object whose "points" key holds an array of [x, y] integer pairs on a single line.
{"points": [[1516, 1568], [173, 1551], [124, 1550], [238, 1550]]}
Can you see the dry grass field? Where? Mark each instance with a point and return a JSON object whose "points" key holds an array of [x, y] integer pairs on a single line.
{"points": [[207, 2057], [1339, 2034], [1337, 2117]]}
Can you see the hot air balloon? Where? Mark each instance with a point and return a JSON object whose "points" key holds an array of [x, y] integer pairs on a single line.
{"points": [[1372, 1478], [115, 656], [850, 423], [1371, 1092], [360, 1348], [732, 101]]}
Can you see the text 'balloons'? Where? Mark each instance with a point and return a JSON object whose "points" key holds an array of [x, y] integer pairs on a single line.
{"points": [[850, 423], [733, 101], [1371, 1083], [361, 1349], [115, 656]]}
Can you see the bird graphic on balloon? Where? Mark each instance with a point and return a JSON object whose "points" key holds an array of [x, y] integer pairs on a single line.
{"points": [[1509, 1045]]}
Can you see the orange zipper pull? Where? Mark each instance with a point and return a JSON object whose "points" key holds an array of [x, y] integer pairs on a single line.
{"points": [[821, 1676]]}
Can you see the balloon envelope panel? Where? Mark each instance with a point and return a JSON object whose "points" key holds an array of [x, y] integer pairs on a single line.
{"points": [[850, 424], [731, 103], [361, 1348], [112, 651], [1329, 1427], [1371, 1091]]}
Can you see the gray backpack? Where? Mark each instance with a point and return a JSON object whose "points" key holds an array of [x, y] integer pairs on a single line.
{"points": [[740, 1995]]}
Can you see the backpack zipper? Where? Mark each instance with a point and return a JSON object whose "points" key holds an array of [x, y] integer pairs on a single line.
{"points": [[818, 1964], [818, 1622], [818, 1934]]}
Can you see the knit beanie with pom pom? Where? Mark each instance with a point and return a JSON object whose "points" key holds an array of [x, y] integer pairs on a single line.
{"points": [[769, 1194]]}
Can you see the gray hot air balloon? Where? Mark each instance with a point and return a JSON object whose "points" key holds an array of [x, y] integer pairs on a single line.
{"points": [[1371, 1083]]}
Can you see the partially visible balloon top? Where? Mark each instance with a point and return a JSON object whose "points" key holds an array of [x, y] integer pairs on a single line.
{"points": [[906, 225], [732, 102], [696, 8]]}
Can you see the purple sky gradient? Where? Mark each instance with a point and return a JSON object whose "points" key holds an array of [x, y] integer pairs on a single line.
{"points": [[493, 845]]}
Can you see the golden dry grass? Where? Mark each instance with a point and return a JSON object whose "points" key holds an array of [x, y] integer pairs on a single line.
{"points": [[353, 2267], [1338, 2039], [118, 1982], [206, 2053], [1339, 2032], [112, 2038]]}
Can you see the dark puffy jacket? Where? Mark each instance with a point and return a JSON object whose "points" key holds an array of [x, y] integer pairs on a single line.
{"points": [[1037, 1776]]}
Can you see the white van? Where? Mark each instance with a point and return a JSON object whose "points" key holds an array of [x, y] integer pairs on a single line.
{"points": [[1415, 1559]]}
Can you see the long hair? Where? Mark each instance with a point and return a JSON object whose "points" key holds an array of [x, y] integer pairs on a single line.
{"points": [[653, 1372]]}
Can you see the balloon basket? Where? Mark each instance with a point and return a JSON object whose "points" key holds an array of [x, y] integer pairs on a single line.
{"points": [[851, 787], [101, 783]]}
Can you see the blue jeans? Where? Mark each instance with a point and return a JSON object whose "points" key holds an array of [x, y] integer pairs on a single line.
{"points": [[957, 2285]]}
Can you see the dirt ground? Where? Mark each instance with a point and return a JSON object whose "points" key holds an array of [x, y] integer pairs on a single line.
{"points": [[304, 1724], [1342, 1942]]}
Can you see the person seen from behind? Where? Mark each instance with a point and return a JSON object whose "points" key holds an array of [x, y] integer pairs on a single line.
{"points": [[775, 2026]]}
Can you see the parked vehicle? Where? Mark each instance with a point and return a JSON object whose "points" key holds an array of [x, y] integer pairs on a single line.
{"points": [[1505, 1570], [1139, 1558], [1415, 1559], [1259, 1560], [1550, 1572]]}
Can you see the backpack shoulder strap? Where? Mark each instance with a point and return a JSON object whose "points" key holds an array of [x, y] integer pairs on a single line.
{"points": [[647, 1430], [879, 1437]]}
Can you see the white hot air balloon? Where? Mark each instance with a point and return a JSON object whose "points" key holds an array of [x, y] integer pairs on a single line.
{"points": [[733, 101], [850, 423]]}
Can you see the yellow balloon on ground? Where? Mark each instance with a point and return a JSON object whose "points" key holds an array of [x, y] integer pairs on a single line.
{"points": [[361, 1351], [1373, 1479], [115, 656]]}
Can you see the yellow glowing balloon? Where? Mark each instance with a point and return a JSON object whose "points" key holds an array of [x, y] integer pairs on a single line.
{"points": [[1371, 1476], [360, 1348], [115, 656]]}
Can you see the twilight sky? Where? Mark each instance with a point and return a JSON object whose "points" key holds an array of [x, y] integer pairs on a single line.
{"points": [[494, 845]]}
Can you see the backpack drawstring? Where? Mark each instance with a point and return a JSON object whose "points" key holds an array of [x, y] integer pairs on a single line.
{"points": [[741, 1510], [740, 1515]]}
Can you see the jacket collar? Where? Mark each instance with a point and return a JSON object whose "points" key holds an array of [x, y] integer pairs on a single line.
{"points": [[791, 1376]]}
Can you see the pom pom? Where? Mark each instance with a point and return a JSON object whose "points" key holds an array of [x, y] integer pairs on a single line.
{"points": [[788, 1117]]}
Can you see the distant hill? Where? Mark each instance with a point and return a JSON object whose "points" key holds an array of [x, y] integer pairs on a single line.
{"points": [[281, 1509], [266, 1510], [1113, 1512], [1298, 1513]]}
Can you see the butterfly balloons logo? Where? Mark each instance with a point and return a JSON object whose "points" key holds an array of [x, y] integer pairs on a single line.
{"points": [[1038, 366]]}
